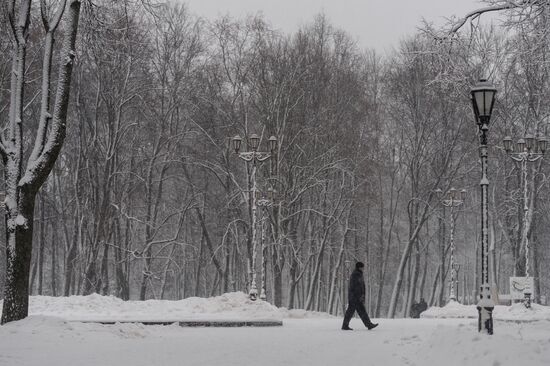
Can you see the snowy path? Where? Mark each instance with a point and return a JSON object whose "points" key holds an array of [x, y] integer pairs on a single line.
{"points": [[47, 341]]}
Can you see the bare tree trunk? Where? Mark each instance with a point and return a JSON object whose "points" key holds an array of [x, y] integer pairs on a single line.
{"points": [[475, 289], [21, 189], [465, 296], [122, 289], [105, 269], [323, 238], [276, 259], [199, 266], [413, 267], [71, 257], [33, 277], [403, 262], [432, 298], [19, 248], [293, 283], [41, 245], [414, 280], [424, 275], [54, 260], [336, 270], [536, 271], [442, 245], [165, 272]]}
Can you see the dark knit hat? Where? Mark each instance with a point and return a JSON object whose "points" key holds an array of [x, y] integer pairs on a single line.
{"points": [[359, 265]]}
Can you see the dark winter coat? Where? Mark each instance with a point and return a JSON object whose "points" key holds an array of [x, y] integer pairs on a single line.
{"points": [[356, 290]]}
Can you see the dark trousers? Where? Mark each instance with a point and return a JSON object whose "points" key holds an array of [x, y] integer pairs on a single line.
{"points": [[360, 308]]}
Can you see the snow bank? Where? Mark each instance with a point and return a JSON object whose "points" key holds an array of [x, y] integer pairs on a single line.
{"points": [[229, 306], [516, 312], [303, 314], [452, 310]]}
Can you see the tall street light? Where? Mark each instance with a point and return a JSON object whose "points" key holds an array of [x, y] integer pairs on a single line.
{"points": [[253, 157], [483, 100], [453, 198], [528, 150]]}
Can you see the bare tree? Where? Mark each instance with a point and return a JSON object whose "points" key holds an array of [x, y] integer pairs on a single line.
{"points": [[23, 183]]}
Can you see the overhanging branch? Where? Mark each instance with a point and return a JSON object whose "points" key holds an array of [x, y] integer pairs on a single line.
{"points": [[478, 12]]}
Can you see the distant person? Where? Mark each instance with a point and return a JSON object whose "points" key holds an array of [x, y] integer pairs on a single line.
{"points": [[356, 299], [422, 306], [415, 311], [418, 307]]}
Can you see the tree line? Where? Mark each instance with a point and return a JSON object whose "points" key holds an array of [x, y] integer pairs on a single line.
{"points": [[147, 198]]}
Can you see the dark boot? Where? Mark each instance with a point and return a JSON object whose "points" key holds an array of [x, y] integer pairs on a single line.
{"points": [[364, 316], [347, 317]]}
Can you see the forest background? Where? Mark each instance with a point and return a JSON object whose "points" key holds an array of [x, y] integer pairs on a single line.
{"points": [[148, 199]]}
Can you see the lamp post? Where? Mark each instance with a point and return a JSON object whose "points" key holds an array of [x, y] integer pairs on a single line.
{"points": [[528, 150], [254, 157], [264, 202], [452, 199], [483, 100]]}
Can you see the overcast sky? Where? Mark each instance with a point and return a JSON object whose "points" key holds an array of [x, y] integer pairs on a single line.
{"points": [[378, 24]]}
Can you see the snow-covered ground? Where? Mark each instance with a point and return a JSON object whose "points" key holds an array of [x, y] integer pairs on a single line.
{"points": [[517, 312], [310, 339]]}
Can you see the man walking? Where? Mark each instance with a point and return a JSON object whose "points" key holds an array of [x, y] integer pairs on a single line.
{"points": [[356, 299]]}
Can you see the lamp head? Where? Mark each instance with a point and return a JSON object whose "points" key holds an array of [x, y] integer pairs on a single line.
{"points": [[507, 141], [452, 193], [521, 145], [254, 141], [543, 144], [529, 142], [272, 143], [237, 140], [483, 100]]}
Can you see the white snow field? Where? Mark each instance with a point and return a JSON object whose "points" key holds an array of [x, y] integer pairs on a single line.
{"points": [[50, 336], [516, 312]]}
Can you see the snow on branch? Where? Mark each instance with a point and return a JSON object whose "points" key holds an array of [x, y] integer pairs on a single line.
{"points": [[39, 168], [476, 13], [45, 116], [3, 151], [496, 6]]}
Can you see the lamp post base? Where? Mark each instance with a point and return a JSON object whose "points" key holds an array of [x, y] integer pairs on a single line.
{"points": [[485, 316]]}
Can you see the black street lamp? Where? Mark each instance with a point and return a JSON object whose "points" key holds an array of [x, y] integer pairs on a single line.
{"points": [[483, 100]]}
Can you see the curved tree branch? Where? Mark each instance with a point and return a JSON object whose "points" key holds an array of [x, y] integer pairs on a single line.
{"points": [[38, 170]]}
